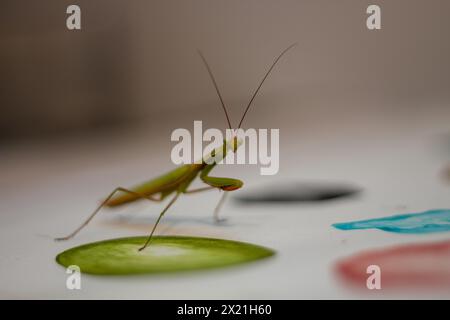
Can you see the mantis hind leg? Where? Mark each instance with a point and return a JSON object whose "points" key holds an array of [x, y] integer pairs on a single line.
{"points": [[85, 223]]}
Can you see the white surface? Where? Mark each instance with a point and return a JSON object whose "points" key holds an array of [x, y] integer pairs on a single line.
{"points": [[47, 189]]}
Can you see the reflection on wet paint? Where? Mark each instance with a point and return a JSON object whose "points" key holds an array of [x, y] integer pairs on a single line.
{"points": [[424, 222], [417, 265], [298, 192]]}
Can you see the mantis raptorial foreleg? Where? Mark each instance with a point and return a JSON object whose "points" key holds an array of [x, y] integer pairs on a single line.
{"points": [[226, 184], [159, 218], [199, 190], [140, 195]]}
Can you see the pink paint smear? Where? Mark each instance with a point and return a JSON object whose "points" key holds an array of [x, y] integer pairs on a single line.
{"points": [[422, 265]]}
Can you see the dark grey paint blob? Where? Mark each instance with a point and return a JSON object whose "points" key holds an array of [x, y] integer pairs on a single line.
{"points": [[298, 192]]}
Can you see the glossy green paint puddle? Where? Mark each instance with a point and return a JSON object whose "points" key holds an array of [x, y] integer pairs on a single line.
{"points": [[165, 254]]}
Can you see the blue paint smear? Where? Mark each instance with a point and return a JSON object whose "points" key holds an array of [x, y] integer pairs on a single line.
{"points": [[423, 222]]}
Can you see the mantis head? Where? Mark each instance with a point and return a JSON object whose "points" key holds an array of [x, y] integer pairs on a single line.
{"points": [[234, 143]]}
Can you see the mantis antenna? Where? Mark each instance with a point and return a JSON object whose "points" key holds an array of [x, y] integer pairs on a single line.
{"points": [[262, 81], [215, 86]]}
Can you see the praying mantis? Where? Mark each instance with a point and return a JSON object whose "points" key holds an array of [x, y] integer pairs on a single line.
{"points": [[176, 182]]}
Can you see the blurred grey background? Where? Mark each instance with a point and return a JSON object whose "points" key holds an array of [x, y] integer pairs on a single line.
{"points": [[134, 63]]}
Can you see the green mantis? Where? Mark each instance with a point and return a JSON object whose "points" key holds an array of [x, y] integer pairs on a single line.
{"points": [[176, 182]]}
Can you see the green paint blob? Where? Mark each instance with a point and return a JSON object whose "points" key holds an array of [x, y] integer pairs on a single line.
{"points": [[165, 254]]}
